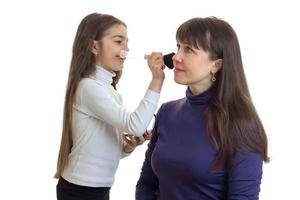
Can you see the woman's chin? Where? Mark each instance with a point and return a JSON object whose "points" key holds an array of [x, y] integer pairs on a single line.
{"points": [[179, 81]]}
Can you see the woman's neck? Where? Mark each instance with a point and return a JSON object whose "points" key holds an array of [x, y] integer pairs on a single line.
{"points": [[199, 88]]}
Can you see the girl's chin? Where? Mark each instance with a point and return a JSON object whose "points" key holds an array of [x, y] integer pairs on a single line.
{"points": [[118, 67]]}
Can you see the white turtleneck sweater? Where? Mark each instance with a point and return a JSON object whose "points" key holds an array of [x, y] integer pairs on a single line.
{"points": [[99, 119]]}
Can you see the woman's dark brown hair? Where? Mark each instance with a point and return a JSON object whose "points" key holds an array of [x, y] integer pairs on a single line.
{"points": [[233, 122], [91, 28]]}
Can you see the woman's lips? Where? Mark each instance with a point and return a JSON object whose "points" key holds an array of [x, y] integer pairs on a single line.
{"points": [[176, 69]]}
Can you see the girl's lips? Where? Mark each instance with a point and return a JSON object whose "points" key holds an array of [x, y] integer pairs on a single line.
{"points": [[123, 59]]}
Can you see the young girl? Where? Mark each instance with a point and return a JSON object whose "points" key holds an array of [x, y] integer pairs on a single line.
{"points": [[94, 119], [210, 144]]}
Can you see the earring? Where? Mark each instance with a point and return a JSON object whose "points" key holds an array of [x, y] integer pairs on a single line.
{"points": [[213, 79]]}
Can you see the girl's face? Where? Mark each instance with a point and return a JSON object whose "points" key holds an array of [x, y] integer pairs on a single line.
{"points": [[193, 67], [107, 50]]}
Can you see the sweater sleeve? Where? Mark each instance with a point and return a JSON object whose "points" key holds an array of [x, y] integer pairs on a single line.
{"points": [[100, 104], [147, 187], [244, 178]]}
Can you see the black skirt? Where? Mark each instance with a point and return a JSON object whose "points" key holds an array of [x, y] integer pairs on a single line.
{"points": [[69, 191]]}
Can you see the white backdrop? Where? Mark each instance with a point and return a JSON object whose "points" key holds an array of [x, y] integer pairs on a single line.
{"points": [[35, 49]]}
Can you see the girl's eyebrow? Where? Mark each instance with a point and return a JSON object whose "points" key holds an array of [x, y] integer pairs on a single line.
{"points": [[120, 36]]}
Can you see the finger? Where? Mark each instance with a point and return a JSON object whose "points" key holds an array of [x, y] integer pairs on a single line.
{"points": [[158, 64], [129, 143], [133, 140], [140, 140], [145, 134], [155, 56], [148, 136], [127, 139]]}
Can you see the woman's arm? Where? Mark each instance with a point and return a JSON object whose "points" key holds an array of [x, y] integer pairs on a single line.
{"points": [[147, 185], [244, 176]]}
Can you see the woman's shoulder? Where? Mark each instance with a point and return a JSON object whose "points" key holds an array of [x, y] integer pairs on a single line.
{"points": [[173, 103], [171, 106]]}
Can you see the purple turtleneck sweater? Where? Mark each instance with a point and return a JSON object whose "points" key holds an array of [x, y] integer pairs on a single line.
{"points": [[180, 154]]}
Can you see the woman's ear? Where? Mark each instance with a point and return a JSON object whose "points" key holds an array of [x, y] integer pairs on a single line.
{"points": [[217, 65], [95, 47]]}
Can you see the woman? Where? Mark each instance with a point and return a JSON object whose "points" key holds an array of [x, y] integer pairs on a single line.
{"points": [[210, 144], [94, 120]]}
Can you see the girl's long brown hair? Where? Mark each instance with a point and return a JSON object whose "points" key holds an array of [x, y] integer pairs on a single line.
{"points": [[91, 28], [233, 122]]}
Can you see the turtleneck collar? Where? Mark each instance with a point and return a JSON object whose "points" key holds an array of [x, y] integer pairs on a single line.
{"points": [[202, 98], [103, 75]]}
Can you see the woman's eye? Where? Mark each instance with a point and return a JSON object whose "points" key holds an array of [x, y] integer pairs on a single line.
{"points": [[186, 49], [189, 50], [118, 41]]}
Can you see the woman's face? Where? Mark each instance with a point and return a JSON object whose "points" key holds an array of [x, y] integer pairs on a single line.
{"points": [[192, 67], [114, 40]]}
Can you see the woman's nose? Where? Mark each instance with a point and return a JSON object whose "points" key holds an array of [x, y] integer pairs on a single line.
{"points": [[176, 58]]}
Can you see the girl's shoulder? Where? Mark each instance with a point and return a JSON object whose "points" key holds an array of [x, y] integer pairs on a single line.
{"points": [[91, 86], [91, 82]]}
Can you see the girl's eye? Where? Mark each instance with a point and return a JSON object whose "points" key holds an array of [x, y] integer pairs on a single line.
{"points": [[118, 41]]}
